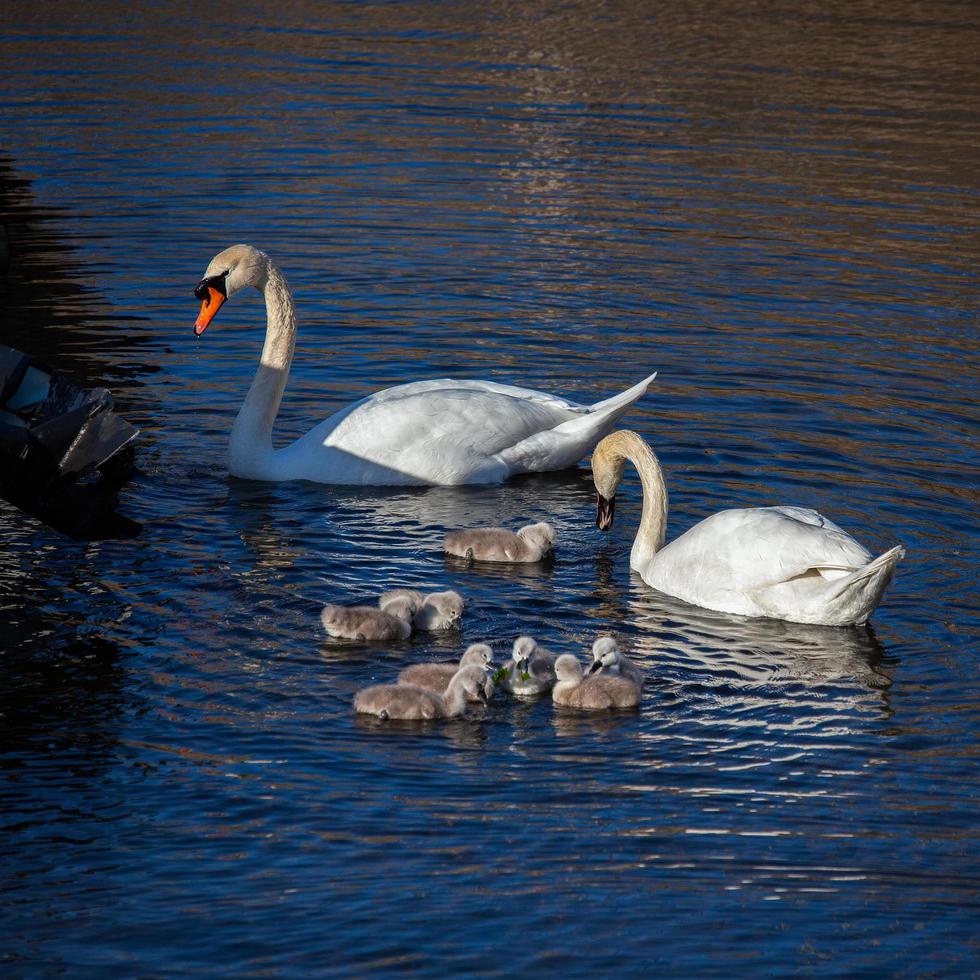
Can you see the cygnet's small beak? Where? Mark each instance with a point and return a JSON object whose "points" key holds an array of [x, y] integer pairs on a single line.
{"points": [[212, 293], [481, 694], [596, 665], [605, 508], [522, 664]]}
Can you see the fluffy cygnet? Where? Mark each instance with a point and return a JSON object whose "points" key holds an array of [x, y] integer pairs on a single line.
{"points": [[595, 693], [530, 543], [439, 611], [404, 701], [413, 596], [394, 622], [532, 671], [609, 661], [436, 677]]}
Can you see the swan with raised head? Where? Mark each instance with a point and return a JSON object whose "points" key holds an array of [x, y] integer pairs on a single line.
{"points": [[597, 692], [786, 563], [611, 662], [429, 432]]}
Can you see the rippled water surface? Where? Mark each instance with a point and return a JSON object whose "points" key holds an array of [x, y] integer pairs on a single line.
{"points": [[773, 205]]}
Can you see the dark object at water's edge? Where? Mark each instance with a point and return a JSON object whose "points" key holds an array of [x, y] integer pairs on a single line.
{"points": [[64, 453]]}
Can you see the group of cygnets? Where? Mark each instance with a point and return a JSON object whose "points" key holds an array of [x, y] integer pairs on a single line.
{"points": [[399, 613], [443, 690]]}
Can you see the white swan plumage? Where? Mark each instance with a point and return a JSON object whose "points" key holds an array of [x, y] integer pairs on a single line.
{"points": [[441, 432], [786, 563]]}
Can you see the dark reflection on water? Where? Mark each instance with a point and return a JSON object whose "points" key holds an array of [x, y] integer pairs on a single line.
{"points": [[773, 205]]}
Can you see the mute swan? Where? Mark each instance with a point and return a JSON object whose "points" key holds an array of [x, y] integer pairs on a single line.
{"points": [[530, 543], [429, 432], [597, 692], [607, 658], [436, 677], [532, 671], [403, 701], [439, 611], [780, 562], [394, 622]]}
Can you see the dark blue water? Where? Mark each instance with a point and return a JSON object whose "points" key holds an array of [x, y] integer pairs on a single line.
{"points": [[776, 206]]}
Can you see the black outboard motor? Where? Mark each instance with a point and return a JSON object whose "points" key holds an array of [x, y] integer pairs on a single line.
{"points": [[63, 452]]}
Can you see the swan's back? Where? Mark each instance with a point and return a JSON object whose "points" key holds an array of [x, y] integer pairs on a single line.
{"points": [[445, 432], [782, 562], [751, 548]]}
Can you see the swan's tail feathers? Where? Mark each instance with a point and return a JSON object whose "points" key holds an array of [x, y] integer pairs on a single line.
{"points": [[854, 597], [624, 398], [567, 443]]}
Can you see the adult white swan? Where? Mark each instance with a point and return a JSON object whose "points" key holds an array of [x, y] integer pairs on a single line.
{"points": [[429, 432], [780, 562]]}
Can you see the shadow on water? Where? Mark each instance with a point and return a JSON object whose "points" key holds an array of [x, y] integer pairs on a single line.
{"points": [[49, 310]]}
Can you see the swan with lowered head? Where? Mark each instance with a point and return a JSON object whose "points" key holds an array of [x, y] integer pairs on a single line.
{"points": [[435, 611], [409, 703], [429, 432], [532, 671], [439, 611], [610, 662], [594, 693], [394, 622], [778, 562], [436, 677], [530, 543]]}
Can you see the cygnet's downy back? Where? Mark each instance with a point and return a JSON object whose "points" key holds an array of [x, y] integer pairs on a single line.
{"points": [[498, 544], [367, 623]]}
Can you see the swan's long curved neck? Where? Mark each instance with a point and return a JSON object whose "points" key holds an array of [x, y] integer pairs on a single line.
{"points": [[652, 532], [250, 452]]}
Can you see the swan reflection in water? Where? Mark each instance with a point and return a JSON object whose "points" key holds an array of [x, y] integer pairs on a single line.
{"points": [[734, 650], [462, 733]]}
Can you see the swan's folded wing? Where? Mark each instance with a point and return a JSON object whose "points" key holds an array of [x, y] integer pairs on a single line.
{"points": [[450, 432], [562, 405], [437, 432], [756, 548]]}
